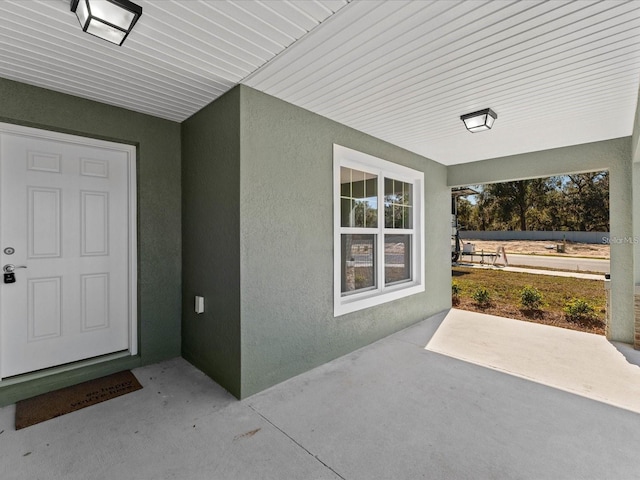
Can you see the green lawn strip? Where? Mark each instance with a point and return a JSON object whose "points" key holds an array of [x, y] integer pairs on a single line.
{"points": [[505, 287]]}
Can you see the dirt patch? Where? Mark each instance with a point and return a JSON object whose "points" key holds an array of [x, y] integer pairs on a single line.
{"points": [[553, 318], [504, 290], [530, 247]]}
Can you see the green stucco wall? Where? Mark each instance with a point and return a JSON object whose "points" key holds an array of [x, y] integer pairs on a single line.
{"points": [[635, 178], [635, 135], [211, 239], [635, 146], [286, 242], [159, 216], [613, 155]]}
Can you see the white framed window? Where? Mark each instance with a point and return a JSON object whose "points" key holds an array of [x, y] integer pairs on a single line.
{"points": [[378, 230]]}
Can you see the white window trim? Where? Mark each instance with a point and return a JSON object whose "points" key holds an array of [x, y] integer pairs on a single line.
{"points": [[346, 157]]}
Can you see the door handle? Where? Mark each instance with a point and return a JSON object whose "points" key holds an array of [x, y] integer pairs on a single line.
{"points": [[10, 267]]}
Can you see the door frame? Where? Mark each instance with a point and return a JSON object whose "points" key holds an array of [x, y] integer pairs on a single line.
{"points": [[130, 151]]}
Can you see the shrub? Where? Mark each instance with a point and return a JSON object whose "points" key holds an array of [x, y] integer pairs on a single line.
{"points": [[531, 298], [580, 311], [455, 293], [482, 297]]}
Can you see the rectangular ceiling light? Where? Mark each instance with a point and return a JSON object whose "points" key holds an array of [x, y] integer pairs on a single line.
{"points": [[480, 120], [111, 20]]}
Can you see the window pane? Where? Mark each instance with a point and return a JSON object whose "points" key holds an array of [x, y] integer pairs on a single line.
{"points": [[388, 187], [397, 216], [345, 188], [361, 188], [358, 263], [357, 183], [397, 258], [407, 217], [346, 212], [388, 203], [407, 194], [398, 198], [388, 215]]}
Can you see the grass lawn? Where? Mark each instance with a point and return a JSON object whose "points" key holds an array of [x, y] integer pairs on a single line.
{"points": [[504, 288]]}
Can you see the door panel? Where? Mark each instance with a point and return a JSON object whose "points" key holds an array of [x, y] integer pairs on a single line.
{"points": [[65, 209], [44, 315], [43, 222]]}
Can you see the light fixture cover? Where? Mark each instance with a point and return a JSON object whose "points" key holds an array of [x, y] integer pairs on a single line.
{"points": [[480, 120], [111, 20]]}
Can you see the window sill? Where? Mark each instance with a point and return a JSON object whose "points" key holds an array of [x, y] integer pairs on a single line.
{"points": [[356, 302]]}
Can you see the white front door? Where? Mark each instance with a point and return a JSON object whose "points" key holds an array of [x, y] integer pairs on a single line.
{"points": [[66, 217]]}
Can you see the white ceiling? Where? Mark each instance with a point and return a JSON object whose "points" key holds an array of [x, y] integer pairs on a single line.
{"points": [[557, 73], [180, 56]]}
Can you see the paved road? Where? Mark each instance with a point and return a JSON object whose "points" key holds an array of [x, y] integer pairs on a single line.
{"points": [[561, 263]]}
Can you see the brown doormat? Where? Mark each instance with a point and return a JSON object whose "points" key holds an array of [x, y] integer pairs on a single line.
{"points": [[53, 404]]}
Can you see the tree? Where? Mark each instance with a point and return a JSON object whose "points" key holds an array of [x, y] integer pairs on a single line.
{"points": [[587, 197], [465, 213], [481, 217], [513, 201], [570, 202]]}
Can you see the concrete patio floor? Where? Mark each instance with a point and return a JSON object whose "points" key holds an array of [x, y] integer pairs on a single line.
{"points": [[391, 410], [585, 364]]}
